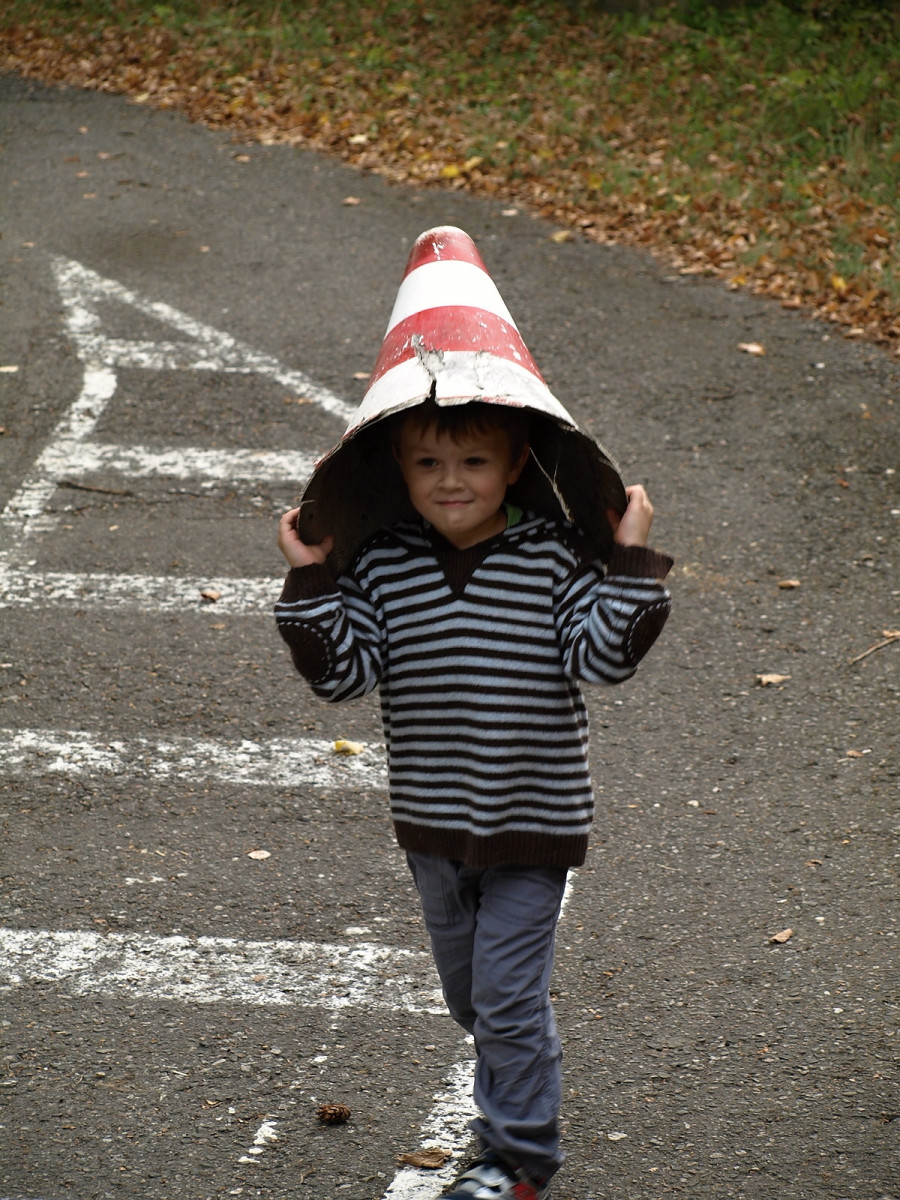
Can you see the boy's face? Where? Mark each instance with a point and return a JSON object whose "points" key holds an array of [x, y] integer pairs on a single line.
{"points": [[459, 486]]}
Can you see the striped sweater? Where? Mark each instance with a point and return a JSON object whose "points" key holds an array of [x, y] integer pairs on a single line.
{"points": [[478, 654]]}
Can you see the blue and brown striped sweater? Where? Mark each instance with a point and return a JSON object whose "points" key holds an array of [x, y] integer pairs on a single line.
{"points": [[478, 654]]}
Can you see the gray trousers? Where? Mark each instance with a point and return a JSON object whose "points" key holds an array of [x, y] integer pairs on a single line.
{"points": [[492, 935]]}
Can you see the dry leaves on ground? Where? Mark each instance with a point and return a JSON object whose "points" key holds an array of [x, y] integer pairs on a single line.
{"points": [[429, 1160], [609, 170]]}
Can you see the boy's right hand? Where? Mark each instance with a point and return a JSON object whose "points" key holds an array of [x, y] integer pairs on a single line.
{"points": [[298, 553]]}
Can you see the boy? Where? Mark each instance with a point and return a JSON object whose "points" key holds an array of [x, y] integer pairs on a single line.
{"points": [[476, 620]]}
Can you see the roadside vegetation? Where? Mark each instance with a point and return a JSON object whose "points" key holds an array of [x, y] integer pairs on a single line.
{"points": [[757, 142]]}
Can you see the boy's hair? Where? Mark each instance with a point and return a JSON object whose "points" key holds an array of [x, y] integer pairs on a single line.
{"points": [[461, 420]]}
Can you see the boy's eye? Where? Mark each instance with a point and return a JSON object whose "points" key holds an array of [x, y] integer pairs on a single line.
{"points": [[475, 461], [426, 463]]}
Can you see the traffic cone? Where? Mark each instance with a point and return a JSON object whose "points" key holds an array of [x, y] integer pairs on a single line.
{"points": [[451, 340]]}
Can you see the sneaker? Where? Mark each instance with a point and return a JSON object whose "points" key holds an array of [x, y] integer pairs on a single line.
{"points": [[491, 1178]]}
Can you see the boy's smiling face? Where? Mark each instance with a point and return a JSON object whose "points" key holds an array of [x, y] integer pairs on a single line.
{"points": [[459, 484]]}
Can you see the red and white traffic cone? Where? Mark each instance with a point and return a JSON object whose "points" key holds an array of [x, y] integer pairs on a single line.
{"points": [[450, 336], [451, 340]]}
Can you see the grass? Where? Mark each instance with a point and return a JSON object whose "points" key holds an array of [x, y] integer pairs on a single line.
{"points": [[759, 142]]}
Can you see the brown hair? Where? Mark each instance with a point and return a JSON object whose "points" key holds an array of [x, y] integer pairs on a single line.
{"points": [[460, 420]]}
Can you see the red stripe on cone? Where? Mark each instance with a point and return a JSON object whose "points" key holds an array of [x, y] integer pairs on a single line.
{"points": [[448, 329], [443, 244]]}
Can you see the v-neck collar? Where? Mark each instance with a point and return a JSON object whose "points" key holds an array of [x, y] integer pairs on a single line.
{"points": [[459, 565]]}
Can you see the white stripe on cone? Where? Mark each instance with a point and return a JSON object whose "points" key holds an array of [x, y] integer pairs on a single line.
{"points": [[450, 330], [447, 285]]}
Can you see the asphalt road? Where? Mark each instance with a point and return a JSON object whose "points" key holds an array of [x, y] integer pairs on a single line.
{"points": [[184, 324]]}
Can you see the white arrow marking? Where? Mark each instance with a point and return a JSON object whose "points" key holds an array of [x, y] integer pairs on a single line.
{"points": [[210, 349], [69, 453]]}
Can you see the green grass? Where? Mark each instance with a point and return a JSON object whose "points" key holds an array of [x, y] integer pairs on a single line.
{"points": [[693, 128]]}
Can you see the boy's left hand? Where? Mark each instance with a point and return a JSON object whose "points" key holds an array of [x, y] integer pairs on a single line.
{"points": [[632, 527]]}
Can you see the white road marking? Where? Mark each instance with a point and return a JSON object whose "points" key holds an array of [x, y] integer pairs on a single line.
{"points": [[21, 517], [279, 762], [70, 454], [212, 466], [82, 290], [265, 1135], [213, 970], [205, 970], [446, 1128], [22, 588]]}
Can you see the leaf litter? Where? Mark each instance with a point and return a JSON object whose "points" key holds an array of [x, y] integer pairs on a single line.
{"points": [[643, 134]]}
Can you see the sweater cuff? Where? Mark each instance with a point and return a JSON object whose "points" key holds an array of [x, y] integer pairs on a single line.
{"points": [[305, 583], [640, 562]]}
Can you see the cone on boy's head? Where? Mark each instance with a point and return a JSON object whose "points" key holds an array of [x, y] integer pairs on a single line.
{"points": [[451, 340]]}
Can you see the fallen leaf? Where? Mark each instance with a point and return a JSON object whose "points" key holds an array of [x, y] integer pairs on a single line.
{"points": [[616, 1137], [429, 1159], [767, 680], [856, 753], [351, 201], [297, 400], [210, 594], [562, 235], [361, 374], [788, 583], [10, 370], [784, 936], [343, 746], [752, 347], [259, 854]]}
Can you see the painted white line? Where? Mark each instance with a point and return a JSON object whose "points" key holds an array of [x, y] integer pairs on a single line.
{"points": [[210, 349], [35, 492], [214, 466], [154, 593], [209, 970], [280, 762], [445, 1128]]}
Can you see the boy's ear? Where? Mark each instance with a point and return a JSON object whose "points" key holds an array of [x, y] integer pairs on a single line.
{"points": [[519, 465]]}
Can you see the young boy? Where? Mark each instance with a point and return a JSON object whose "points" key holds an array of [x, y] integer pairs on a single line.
{"points": [[477, 621]]}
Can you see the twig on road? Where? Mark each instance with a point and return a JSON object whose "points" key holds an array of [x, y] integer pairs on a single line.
{"points": [[890, 635]]}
